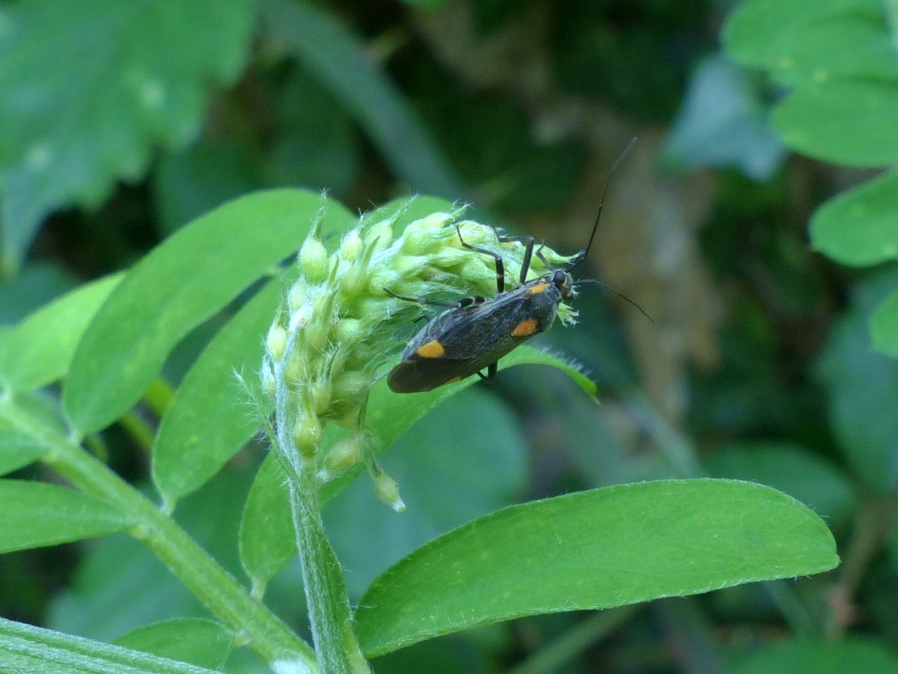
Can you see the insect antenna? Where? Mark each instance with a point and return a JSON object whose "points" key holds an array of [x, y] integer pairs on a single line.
{"points": [[582, 255], [612, 290]]}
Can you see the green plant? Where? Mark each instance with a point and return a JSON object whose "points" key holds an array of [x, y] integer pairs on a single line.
{"points": [[107, 341], [836, 61]]}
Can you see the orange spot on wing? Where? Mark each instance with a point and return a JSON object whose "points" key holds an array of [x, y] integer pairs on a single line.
{"points": [[525, 328], [431, 350]]}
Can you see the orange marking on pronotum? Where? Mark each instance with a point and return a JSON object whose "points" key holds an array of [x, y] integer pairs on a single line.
{"points": [[431, 350], [525, 328], [538, 288]]}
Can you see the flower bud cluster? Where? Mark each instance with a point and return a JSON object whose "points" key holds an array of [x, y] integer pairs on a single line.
{"points": [[339, 325]]}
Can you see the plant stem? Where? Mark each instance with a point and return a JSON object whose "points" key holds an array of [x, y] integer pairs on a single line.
{"points": [[327, 598], [218, 590]]}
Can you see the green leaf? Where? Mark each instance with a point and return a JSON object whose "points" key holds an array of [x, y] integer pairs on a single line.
{"points": [[200, 642], [24, 648], [597, 549], [109, 569], [801, 43], [267, 540], [90, 88], [792, 469], [266, 532], [17, 450], [466, 459], [210, 418], [204, 176], [337, 58], [36, 514], [884, 326], [34, 285], [120, 566], [849, 122], [853, 43], [390, 415], [722, 122], [859, 227], [6, 333], [184, 281], [42, 347], [809, 656], [862, 388]]}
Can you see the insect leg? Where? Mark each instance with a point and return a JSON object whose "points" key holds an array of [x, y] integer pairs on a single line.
{"points": [[528, 242], [542, 258], [490, 375], [418, 300], [500, 264]]}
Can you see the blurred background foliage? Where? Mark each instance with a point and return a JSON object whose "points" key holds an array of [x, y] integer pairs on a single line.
{"points": [[120, 122]]}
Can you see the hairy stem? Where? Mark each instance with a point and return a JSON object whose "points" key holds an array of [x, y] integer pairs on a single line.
{"points": [[254, 625], [330, 613]]}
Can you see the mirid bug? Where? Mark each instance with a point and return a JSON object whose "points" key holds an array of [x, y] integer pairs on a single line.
{"points": [[474, 333]]}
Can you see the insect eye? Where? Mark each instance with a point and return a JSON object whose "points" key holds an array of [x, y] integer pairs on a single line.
{"points": [[560, 279]]}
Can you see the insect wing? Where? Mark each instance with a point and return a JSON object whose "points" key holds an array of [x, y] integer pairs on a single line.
{"points": [[437, 354], [461, 342]]}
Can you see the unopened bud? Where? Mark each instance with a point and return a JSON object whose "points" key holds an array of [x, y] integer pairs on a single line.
{"points": [[317, 335], [294, 370], [344, 454], [349, 385], [350, 331], [353, 281], [351, 246], [313, 260], [307, 434], [276, 341], [321, 395], [299, 291], [387, 490], [380, 236]]}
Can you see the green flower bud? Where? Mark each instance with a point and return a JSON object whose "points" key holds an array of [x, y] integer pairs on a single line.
{"points": [[351, 246], [318, 336], [344, 454], [350, 331], [450, 257], [313, 260], [321, 395], [307, 434], [276, 341], [410, 265], [417, 242], [298, 295], [294, 370], [380, 236], [434, 221], [350, 385], [355, 279], [387, 490], [342, 324], [321, 307]]}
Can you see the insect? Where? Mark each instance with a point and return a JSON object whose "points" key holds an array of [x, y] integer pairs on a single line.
{"points": [[474, 333]]}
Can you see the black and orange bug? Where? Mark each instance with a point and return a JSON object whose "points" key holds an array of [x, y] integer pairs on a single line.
{"points": [[474, 333]]}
